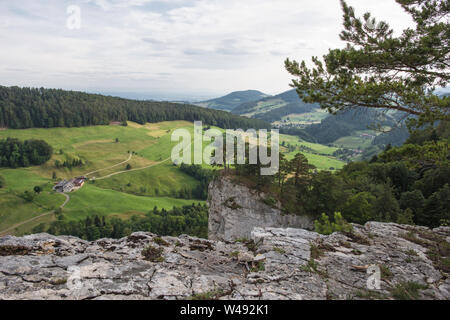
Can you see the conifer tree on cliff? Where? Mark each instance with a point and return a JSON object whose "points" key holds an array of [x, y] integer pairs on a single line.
{"points": [[379, 70]]}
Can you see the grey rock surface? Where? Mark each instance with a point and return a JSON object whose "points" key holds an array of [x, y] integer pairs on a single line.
{"points": [[234, 210], [277, 264]]}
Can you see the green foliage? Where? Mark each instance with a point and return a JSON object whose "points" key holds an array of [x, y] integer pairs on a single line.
{"points": [[406, 217], [15, 153], [258, 267], [408, 290], [48, 108], [324, 226], [359, 208], [160, 241], [270, 201], [153, 254], [28, 196], [379, 70], [2, 182], [192, 220], [204, 176]]}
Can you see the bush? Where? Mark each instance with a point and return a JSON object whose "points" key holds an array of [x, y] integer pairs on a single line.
{"points": [[408, 291], [153, 254], [324, 226]]}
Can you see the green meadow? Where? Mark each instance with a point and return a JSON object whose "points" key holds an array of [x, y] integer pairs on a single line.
{"points": [[101, 148], [321, 156]]}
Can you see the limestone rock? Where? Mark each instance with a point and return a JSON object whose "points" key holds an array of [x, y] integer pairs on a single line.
{"points": [[281, 264], [234, 210]]}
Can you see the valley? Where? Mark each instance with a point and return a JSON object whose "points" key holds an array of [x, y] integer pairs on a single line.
{"points": [[121, 195], [128, 167]]}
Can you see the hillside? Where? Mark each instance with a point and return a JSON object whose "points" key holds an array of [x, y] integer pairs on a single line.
{"points": [[274, 108], [105, 152], [48, 108], [355, 130], [232, 100]]}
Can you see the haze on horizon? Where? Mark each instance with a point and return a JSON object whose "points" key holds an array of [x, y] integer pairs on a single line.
{"points": [[177, 48]]}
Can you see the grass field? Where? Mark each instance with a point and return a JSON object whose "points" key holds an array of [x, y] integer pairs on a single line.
{"points": [[304, 119], [92, 200], [122, 195], [356, 141], [321, 158]]}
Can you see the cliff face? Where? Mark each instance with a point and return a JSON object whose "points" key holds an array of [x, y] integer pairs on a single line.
{"points": [[276, 264], [235, 210]]}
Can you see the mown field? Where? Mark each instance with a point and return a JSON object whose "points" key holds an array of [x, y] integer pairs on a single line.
{"points": [[319, 155], [117, 191], [132, 192]]}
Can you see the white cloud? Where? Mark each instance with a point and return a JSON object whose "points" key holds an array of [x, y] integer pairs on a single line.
{"points": [[180, 46]]}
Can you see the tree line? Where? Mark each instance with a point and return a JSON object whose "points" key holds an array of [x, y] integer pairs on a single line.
{"points": [[191, 220], [47, 108], [15, 153], [204, 176], [407, 184]]}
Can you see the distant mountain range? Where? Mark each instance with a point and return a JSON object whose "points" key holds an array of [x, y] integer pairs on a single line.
{"points": [[274, 108], [232, 100]]}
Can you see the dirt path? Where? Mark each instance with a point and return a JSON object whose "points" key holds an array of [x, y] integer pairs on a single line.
{"points": [[138, 169], [129, 158], [5, 232], [131, 170]]}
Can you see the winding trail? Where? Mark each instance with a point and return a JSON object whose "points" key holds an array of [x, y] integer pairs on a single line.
{"points": [[116, 165], [131, 170], [5, 232], [139, 169]]}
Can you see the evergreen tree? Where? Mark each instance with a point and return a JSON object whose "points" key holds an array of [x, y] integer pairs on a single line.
{"points": [[379, 70]]}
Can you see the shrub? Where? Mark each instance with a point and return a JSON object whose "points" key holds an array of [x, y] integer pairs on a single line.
{"points": [[324, 226], [408, 291], [153, 254]]}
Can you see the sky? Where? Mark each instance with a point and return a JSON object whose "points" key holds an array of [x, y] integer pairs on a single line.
{"points": [[179, 49]]}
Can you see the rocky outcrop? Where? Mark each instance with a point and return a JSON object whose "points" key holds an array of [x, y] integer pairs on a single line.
{"points": [[235, 210], [274, 264]]}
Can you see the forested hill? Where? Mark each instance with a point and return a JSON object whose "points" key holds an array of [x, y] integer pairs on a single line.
{"points": [[232, 100], [46, 108], [345, 124], [274, 108]]}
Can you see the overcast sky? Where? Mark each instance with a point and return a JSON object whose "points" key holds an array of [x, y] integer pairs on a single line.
{"points": [[179, 47]]}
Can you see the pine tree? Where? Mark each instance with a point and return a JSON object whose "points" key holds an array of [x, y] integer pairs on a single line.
{"points": [[381, 71]]}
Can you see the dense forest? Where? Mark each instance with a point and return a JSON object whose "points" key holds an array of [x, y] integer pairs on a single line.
{"points": [[15, 153], [46, 108], [204, 176], [409, 184], [192, 220]]}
